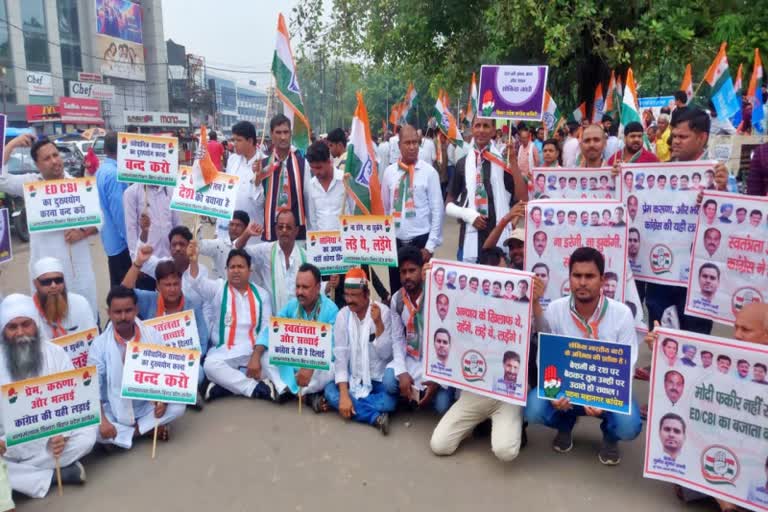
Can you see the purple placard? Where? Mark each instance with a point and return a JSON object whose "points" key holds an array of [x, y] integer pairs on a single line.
{"points": [[512, 92], [6, 251]]}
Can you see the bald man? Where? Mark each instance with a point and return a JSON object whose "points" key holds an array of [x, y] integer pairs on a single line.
{"points": [[592, 146]]}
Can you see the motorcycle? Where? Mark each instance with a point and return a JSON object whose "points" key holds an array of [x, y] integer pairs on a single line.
{"points": [[17, 214]]}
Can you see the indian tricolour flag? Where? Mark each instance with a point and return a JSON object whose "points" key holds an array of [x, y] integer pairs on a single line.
{"points": [[598, 105], [755, 95], [284, 70], [204, 171], [445, 120], [363, 184], [629, 109], [472, 100], [687, 84], [718, 86], [612, 98], [580, 113], [551, 113], [736, 119]]}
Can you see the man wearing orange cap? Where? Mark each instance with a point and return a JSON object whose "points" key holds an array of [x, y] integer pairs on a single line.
{"points": [[363, 347]]}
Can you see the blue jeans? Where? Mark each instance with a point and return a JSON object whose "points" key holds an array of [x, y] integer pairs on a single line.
{"points": [[442, 401], [615, 427], [367, 409]]}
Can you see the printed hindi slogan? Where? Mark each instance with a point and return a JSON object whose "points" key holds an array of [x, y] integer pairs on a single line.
{"points": [[51, 405], [160, 373], [76, 345], [325, 250], [369, 240], [708, 417], [54, 205], [577, 183], [178, 330], [148, 159], [6, 248], [300, 343], [587, 372], [730, 256], [215, 200], [512, 92], [477, 329], [662, 210]]}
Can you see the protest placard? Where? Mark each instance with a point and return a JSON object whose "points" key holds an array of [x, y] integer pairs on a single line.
{"points": [[50, 405], [662, 213], [300, 343], [149, 159], [325, 250], [588, 372], [6, 248], [512, 92], [477, 329], [178, 330], [215, 200], [576, 183], [730, 256], [76, 345], [54, 205], [557, 228], [708, 417], [369, 240], [160, 373]]}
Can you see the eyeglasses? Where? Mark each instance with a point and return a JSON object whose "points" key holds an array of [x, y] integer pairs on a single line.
{"points": [[51, 280]]}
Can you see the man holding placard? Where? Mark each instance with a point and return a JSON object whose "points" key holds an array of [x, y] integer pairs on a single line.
{"points": [[61, 312], [123, 419], [586, 313], [25, 355]]}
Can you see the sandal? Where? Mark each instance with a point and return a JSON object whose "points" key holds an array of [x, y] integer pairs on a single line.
{"points": [[318, 403], [163, 433], [643, 373]]}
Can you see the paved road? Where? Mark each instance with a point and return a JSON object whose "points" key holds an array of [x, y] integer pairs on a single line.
{"points": [[242, 455]]}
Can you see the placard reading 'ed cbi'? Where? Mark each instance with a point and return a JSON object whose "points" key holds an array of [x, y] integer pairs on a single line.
{"points": [[708, 417], [300, 343], [55, 205], [6, 248], [590, 373], [325, 250], [160, 373], [512, 92], [76, 345], [477, 329], [178, 330], [369, 240], [148, 159], [51, 405], [581, 183], [215, 200], [730, 256], [661, 207]]}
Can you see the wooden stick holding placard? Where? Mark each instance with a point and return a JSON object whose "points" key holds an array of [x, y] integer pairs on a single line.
{"points": [[196, 227], [58, 477], [301, 399], [509, 142], [154, 437]]}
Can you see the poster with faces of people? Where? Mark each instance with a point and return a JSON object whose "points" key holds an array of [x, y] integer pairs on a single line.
{"points": [[477, 329], [708, 417], [574, 183], [662, 215], [730, 256]]}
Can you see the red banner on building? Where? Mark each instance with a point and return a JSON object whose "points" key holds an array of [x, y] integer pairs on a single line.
{"points": [[80, 111]]}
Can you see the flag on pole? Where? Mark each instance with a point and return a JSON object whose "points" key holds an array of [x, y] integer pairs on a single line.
{"points": [[552, 116], [612, 99], [361, 178], [580, 113], [445, 120], [755, 95], [598, 105], [629, 109], [718, 86], [204, 171], [687, 84], [736, 119], [472, 101], [284, 71]]}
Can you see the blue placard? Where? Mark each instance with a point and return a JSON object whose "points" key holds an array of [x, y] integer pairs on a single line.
{"points": [[588, 372], [655, 101]]}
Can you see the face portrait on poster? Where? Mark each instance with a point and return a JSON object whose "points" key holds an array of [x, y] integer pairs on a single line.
{"points": [[577, 183]]}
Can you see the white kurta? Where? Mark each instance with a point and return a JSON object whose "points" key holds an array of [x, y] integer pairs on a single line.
{"points": [[250, 197], [280, 280], [401, 361], [79, 317], [217, 249], [31, 465], [125, 414]]}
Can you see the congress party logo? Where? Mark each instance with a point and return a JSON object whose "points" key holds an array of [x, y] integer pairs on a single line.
{"points": [[324, 331], [12, 396], [191, 360], [88, 185], [744, 297], [387, 225], [187, 320], [473, 366], [312, 240], [135, 353], [275, 326], [124, 143], [32, 191], [565, 288], [488, 103], [170, 148], [344, 224], [231, 184], [719, 465], [86, 378], [552, 383], [661, 259]]}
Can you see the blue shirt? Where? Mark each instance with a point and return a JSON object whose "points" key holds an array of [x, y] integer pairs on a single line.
{"points": [[111, 201], [328, 312], [147, 305]]}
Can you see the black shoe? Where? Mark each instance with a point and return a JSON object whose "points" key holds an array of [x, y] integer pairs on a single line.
{"points": [[199, 402], [483, 429], [382, 423], [609, 454], [74, 474], [563, 442], [215, 391], [264, 390]]}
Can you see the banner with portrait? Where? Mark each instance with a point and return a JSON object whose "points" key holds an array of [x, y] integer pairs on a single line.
{"points": [[119, 41], [730, 256], [708, 417], [477, 329], [574, 183], [662, 214]]}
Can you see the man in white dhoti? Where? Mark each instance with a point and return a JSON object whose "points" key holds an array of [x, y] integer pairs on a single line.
{"points": [[61, 312], [25, 355], [123, 419]]}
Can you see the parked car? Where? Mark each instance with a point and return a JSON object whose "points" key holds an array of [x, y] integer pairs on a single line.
{"points": [[73, 160], [19, 162], [98, 147]]}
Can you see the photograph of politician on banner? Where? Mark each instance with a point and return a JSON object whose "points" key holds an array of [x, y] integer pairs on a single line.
{"points": [[577, 183], [729, 259], [662, 216], [708, 417], [477, 329]]}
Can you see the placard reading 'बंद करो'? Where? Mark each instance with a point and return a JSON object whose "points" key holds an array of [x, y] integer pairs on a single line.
{"points": [[215, 200], [730, 256], [50, 405], [581, 183], [512, 92], [148, 159], [76, 345], [325, 250], [477, 329], [55, 205], [708, 417], [300, 343], [178, 330], [160, 373], [369, 240]]}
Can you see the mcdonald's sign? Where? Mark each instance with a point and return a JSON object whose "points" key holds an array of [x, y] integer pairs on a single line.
{"points": [[41, 113]]}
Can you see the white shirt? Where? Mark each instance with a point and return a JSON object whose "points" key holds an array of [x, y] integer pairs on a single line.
{"points": [[427, 151], [617, 326], [217, 249], [382, 154], [325, 206], [570, 151], [612, 146], [284, 276], [394, 149], [250, 197], [428, 199], [79, 317], [380, 348]]}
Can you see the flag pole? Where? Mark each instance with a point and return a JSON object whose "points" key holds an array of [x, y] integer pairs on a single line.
{"points": [[266, 111]]}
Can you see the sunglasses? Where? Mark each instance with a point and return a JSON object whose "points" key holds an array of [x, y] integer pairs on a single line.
{"points": [[51, 280]]}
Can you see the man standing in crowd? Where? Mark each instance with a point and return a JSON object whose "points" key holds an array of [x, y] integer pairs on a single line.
{"points": [[215, 150], [61, 312], [527, 153], [592, 146], [218, 248], [326, 188], [663, 138], [571, 145], [337, 144], [633, 151]]}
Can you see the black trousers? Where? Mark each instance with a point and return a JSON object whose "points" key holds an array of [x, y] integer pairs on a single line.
{"points": [[119, 265], [394, 273]]}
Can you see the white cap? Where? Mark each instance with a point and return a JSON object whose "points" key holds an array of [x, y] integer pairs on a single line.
{"points": [[17, 305], [47, 266]]}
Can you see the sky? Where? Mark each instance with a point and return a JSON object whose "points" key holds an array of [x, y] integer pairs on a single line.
{"points": [[231, 34]]}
